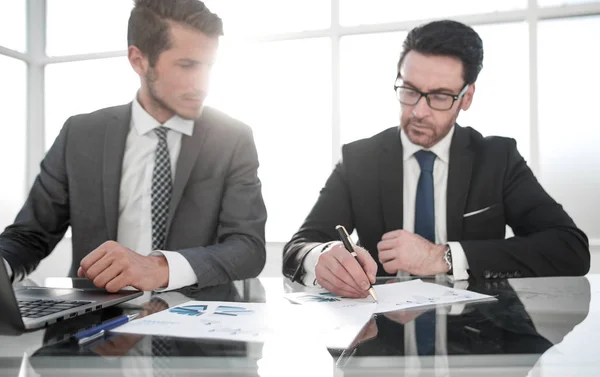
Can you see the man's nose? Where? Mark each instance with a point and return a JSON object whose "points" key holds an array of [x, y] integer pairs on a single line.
{"points": [[421, 108]]}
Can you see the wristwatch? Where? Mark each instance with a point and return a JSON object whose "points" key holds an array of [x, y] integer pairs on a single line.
{"points": [[448, 259]]}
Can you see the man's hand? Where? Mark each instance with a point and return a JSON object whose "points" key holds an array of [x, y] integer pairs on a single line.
{"points": [[339, 273], [400, 250], [113, 266]]}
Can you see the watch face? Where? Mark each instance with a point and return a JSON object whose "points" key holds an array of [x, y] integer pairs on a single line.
{"points": [[448, 259]]}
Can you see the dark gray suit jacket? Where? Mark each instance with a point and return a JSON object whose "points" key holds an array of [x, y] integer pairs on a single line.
{"points": [[216, 217], [364, 192]]}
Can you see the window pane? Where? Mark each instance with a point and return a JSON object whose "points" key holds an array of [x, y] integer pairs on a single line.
{"points": [[569, 127], [12, 141], [244, 18], [99, 25], [283, 91], [501, 102], [85, 86], [12, 24], [356, 12], [368, 103]]}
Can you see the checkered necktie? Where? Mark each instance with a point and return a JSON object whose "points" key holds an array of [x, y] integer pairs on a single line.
{"points": [[161, 189]]}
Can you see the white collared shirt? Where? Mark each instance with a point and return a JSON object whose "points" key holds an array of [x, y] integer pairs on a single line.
{"points": [[135, 218], [412, 170]]}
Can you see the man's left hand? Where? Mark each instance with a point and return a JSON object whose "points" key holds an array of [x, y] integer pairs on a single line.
{"points": [[113, 267], [400, 250]]}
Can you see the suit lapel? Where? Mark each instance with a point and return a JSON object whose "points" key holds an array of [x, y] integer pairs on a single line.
{"points": [[190, 149], [459, 179], [114, 150], [391, 174]]}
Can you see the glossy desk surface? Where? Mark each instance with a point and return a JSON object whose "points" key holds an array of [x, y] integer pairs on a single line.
{"points": [[537, 327]]}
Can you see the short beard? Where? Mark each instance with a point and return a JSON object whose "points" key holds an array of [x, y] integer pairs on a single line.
{"points": [[151, 78], [437, 138]]}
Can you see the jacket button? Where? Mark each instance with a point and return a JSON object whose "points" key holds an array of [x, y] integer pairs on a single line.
{"points": [[494, 275], [502, 275], [487, 274], [510, 275], [518, 274]]}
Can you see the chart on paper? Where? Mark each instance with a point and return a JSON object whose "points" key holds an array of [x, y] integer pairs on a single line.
{"points": [[212, 320], [398, 296]]}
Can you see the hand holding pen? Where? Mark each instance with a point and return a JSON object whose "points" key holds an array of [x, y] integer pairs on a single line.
{"points": [[339, 272], [351, 247]]}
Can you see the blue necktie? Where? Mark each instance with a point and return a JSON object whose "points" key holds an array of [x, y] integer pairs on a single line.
{"points": [[425, 227], [424, 205]]}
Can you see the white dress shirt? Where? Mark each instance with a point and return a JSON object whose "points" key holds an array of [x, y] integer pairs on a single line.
{"points": [[412, 170], [135, 203], [135, 218]]}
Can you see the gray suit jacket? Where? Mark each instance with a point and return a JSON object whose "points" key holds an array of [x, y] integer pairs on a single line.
{"points": [[216, 217]]}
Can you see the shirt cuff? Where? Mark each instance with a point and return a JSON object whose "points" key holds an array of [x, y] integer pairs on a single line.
{"points": [[460, 265], [310, 261], [181, 273]]}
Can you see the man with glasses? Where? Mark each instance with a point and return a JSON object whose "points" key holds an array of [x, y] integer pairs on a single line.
{"points": [[431, 197]]}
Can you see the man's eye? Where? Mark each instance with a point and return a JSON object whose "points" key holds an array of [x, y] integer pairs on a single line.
{"points": [[440, 97]]}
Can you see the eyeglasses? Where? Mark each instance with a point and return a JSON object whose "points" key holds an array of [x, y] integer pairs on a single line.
{"points": [[436, 100]]}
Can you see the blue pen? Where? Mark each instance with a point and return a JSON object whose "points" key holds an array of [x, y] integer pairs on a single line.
{"points": [[97, 332]]}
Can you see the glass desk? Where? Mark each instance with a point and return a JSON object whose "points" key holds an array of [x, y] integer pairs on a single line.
{"points": [[537, 327]]}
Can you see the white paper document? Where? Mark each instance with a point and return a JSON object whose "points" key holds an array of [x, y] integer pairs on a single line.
{"points": [[333, 326], [205, 319], [330, 320], [397, 296]]}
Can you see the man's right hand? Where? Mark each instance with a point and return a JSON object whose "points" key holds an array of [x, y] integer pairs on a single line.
{"points": [[339, 273]]}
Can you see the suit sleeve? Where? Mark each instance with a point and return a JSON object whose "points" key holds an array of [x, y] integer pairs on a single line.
{"points": [[333, 207], [546, 241], [44, 218], [240, 251]]}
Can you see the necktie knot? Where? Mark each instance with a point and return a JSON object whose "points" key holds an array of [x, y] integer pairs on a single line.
{"points": [[425, 159], [161, 132]]}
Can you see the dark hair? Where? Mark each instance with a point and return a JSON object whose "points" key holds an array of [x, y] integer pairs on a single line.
{"points": [[148, 27], [448, 38]]}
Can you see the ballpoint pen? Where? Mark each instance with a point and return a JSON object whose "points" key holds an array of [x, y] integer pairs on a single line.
{"points": [[97, 332], [345, 238]]}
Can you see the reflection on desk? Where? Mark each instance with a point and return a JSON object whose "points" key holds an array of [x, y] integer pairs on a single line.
{"points": [[506, 337]]}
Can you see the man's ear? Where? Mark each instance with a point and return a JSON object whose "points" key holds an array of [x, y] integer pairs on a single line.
{"points": [[138, 61], [468, 97]]}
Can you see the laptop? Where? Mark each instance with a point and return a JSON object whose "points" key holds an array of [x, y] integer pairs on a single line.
{"points": [[29, 308]]}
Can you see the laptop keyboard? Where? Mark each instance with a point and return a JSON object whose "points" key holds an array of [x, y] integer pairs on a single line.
{"points": [[41, 308]]}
